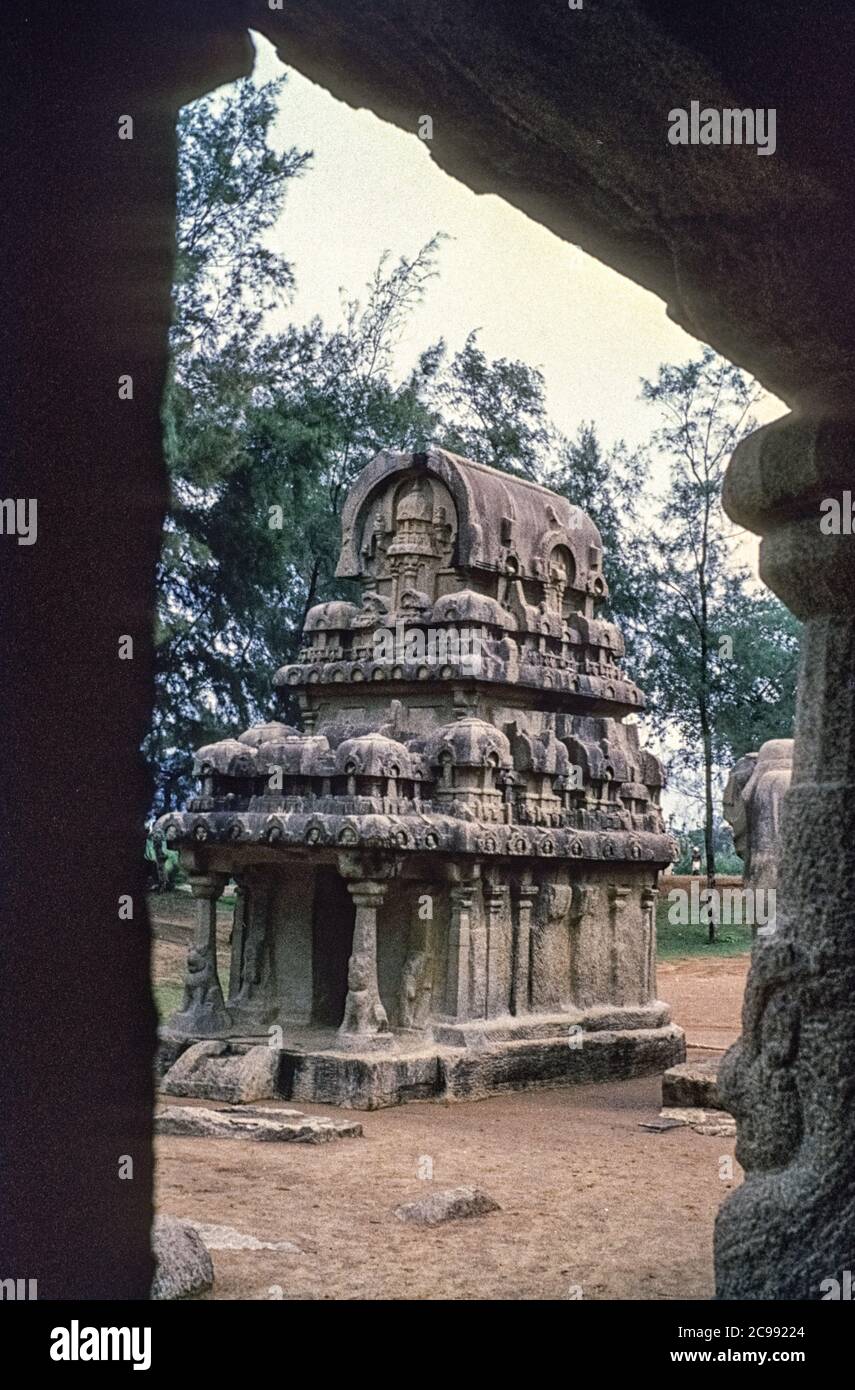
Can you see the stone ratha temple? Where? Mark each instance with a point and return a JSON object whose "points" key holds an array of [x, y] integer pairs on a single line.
{"points": [[447, 878]]}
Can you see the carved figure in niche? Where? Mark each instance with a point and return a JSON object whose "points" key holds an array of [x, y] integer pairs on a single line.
{"points": [[558, 580], [416, 990], [443, 530], [507, 581], [376, 534], [557, 899], [256, 969]]}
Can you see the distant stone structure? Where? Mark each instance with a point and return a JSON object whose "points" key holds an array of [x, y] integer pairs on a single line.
{"points": [[752, 804], [447, 881]]}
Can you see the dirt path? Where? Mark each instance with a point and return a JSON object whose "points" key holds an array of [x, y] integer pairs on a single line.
{"points": [[588, 1198], [705, 995]]}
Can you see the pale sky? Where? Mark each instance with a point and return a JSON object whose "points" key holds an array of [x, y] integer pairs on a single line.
{"points": [[373, 187]]}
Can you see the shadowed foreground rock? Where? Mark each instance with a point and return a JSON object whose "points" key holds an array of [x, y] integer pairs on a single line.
{"points": [[789, 1079], [183, 1268]]}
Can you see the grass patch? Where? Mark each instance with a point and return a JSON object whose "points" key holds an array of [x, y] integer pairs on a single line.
{"points": [[674, 943], [167, 999], [181, 907]]}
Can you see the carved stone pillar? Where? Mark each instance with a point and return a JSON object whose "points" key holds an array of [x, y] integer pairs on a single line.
{"points": [[203, 1009], [365, 1023], [526, 893], [478, 937], [459, 941], [790, 1080], [253, 1002], [649, 898], [496, 910], [238, 934], [587, 983], [619, 897]]}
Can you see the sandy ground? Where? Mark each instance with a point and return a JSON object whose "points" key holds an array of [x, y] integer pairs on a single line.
{"points": [[705, 997], [592, 1204]]}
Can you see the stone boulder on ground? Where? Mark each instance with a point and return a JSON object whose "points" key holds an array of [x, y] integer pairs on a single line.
{"points": [[273, 1125], [693, 1084], [183, 1267], [219, 1071], [450, 1205]]}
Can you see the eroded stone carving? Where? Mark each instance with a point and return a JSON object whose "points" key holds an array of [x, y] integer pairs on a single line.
{"points": [[753, 804]]}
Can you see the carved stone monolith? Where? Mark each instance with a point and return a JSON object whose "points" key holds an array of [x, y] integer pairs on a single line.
{"points": [[447, 878]]}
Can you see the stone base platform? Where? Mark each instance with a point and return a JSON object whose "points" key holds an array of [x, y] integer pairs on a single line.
{"points": [[693, 1085], [488, 1059], [690, 1097]]}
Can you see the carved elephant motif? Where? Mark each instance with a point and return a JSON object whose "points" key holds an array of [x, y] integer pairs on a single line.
{"points": [[752, 805]]}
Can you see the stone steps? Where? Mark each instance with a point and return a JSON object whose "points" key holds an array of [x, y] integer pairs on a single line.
{"points": [[690, 1097]]}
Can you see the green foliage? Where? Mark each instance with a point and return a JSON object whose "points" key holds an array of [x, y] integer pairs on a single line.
{"points": [[609, 486], [756, 666], [718, 654], [495, 412], [679, 942], [726, 859], [725, 862], [169, 872], [705, 407], [266, 432], [231, 188]]}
